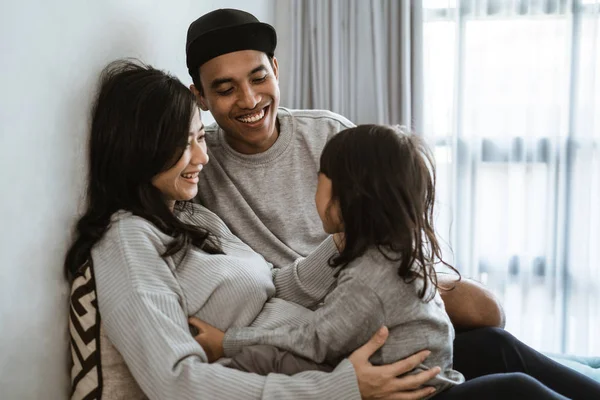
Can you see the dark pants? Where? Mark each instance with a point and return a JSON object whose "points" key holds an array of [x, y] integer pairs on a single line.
{"points": [[507, 386], [492, 350], [495, 364]]}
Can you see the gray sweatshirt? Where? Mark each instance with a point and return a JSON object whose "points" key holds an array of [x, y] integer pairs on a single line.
{"points": [[369, 294], [268, 199], [145, 302]]}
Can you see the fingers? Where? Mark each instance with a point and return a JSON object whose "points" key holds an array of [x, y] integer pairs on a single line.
{"points": [[364, 352], [197, 326], [407, 364], [197, 323], [411, 382]]}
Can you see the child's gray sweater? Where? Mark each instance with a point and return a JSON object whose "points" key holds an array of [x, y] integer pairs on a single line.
{"points": [[369, 294]]}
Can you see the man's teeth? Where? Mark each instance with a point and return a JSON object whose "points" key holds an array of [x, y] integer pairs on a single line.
{"points": [[254, 117], [190, 176]]}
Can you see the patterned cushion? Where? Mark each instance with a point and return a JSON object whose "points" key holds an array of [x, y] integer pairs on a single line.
{"points": [[98, 370], [84, 329]]}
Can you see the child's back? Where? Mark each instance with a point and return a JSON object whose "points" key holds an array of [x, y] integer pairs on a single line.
{"points": [[413, 323]]}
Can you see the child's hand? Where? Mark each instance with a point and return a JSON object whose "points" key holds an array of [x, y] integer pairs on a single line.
{"points": [[340, 241], [210, 338]]}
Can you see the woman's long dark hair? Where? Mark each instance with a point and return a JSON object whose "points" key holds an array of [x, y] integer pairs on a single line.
{"points": [[384, 182], [139, 127]]}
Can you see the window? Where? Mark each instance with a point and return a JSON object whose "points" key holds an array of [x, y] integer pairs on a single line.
{"points": [[512, 104]]}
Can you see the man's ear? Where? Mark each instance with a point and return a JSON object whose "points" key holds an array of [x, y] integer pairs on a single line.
{"points": [[199, 98], [275, 68]]}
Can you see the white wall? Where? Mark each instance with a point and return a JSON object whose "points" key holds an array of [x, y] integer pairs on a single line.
{"points": [[50, 56]]}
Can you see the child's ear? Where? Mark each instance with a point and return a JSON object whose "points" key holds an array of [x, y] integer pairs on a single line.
{"points": [[199, 97], [334, 214]]}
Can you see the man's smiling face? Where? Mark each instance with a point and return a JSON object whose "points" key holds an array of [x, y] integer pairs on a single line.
{"points": [[241, 90]]}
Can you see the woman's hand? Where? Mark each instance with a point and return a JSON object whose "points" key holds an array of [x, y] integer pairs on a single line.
{"points": [[210, 338], [382, 382]]}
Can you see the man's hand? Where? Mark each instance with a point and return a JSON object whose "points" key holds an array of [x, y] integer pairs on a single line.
{"points": [[210, 338], [469, 304], [382, 382]]}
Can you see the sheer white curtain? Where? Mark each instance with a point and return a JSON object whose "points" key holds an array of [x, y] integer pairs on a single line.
{"points": [[359, 58], [512, 104]]}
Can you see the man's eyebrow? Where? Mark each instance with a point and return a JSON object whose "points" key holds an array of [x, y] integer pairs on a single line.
{"points": [[218, 82], [257, 69]]}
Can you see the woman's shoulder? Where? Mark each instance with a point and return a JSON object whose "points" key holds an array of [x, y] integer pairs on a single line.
{"points": [[128, 259], [189, 213], [124, 225], [128, 236], [127, 218]]}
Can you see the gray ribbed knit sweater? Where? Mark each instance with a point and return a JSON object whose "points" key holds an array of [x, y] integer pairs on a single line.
{"points": [[145, 301]]}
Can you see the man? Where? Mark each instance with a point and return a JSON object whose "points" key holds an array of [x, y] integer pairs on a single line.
{"points": [[263, 174]]}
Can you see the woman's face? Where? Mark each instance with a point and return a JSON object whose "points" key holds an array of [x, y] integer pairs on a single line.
{"points": [[329, 211], [180, 182]]}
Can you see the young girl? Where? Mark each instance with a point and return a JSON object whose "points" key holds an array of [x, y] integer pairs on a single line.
{"points": [[376, 186]]}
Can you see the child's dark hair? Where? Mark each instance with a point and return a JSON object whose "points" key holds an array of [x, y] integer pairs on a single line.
{"points": [[384, 182]]}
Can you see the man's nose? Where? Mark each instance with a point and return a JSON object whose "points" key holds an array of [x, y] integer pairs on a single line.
{"points": [[248, 98]]}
